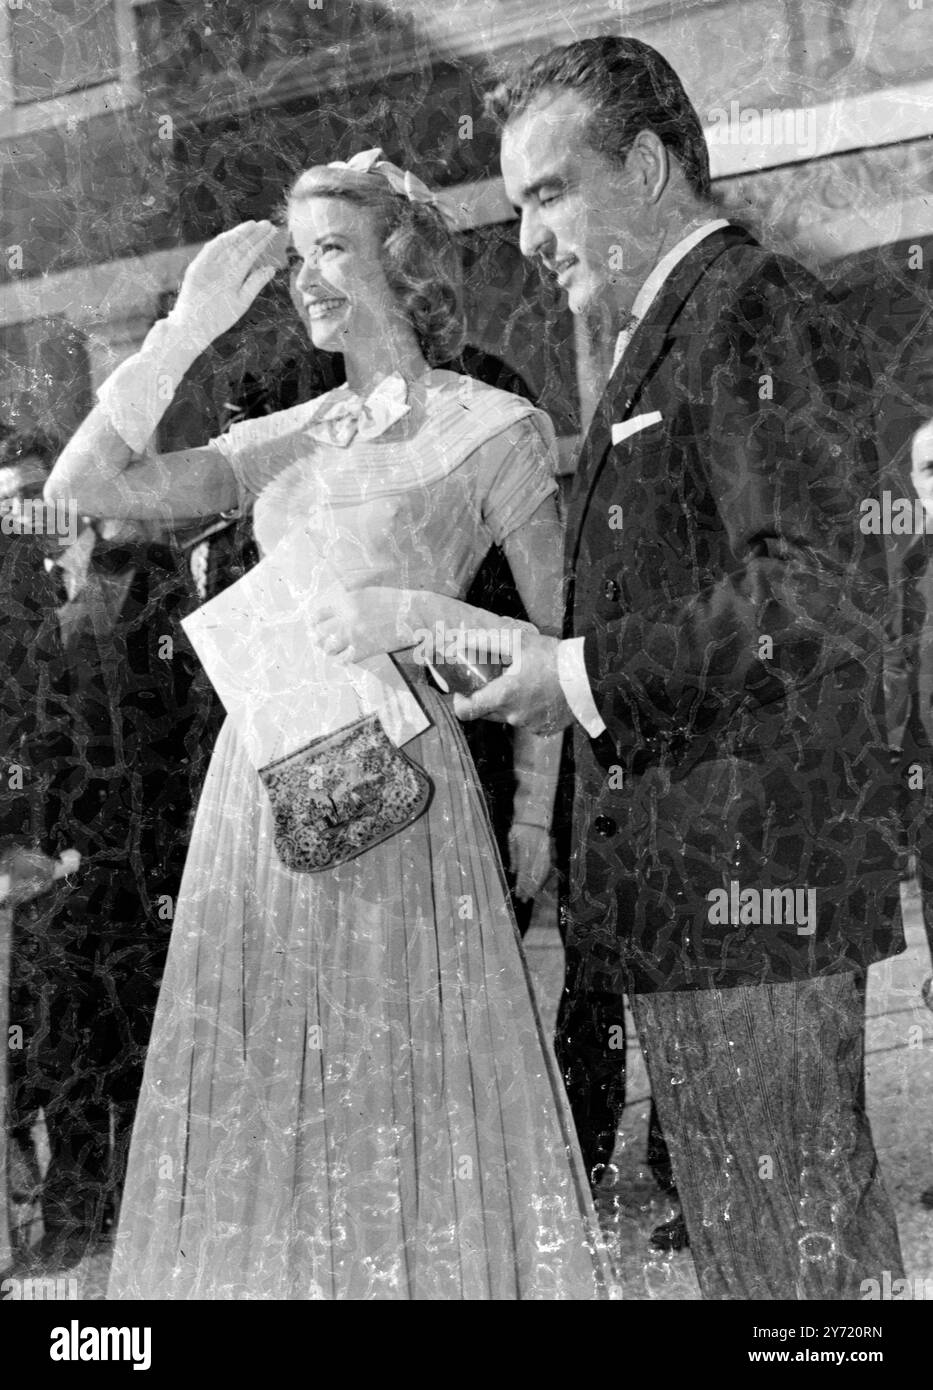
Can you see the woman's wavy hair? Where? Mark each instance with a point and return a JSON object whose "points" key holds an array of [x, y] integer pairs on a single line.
{"points": [[419, 255]]}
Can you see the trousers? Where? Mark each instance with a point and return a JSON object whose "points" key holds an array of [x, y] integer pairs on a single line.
{"points": [[760, 1094]]}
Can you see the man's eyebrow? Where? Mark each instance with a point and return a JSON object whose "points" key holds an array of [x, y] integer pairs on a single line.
{"points": [[531, 190]]}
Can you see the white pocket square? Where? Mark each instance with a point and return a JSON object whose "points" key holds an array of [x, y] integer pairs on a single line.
{"points": [[638, 422]]}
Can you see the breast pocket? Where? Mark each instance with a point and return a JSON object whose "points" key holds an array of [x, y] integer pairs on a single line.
{"points": [[624, 429]]}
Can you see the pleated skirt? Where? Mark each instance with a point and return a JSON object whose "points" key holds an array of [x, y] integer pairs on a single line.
{"points": [[348, 1093]]}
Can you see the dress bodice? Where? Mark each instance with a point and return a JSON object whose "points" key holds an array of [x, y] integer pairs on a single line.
{"points": [[415, 499]]}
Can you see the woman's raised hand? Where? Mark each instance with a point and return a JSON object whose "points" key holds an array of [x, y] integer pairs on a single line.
{"points": [[225, 277]]}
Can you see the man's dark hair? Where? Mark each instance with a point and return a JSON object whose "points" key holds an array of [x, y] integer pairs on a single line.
{"points": [[630, 88]]}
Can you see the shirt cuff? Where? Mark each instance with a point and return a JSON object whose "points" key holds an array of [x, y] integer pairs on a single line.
{"points": [[575, 683]]}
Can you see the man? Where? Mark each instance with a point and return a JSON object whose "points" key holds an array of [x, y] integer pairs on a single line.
{"points": [[734, 839]]}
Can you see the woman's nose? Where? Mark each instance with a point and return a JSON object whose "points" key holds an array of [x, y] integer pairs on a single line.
{"points": [[306, 277]]}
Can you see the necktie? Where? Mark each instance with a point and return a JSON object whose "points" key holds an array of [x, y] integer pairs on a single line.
{"points": [[59, 585]]}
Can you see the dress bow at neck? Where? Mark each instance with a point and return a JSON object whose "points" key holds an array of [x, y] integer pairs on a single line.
{"points": [[351, 416]]}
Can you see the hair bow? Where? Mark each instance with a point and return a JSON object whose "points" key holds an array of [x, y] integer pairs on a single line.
{"points": [[401, 181]]}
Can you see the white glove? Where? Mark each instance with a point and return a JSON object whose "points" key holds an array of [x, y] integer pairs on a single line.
{"points": [[218, 287], [223, 280], [355, 624], [363, 620], [921, 465], [536, 764], [530, 858]]}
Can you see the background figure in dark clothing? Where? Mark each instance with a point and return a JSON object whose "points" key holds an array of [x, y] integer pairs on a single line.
{"points": [[34, 749], [33, 710], [90, 979], [916, 744]]}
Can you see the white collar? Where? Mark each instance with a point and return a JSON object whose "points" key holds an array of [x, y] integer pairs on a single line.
{"points": [[74, 560], [341, 416], [652, 286]]}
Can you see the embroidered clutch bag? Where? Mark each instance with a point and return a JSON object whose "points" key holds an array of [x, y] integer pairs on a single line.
{"points": [[342, 794]]}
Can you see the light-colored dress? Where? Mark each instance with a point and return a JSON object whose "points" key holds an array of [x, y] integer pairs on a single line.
{"points": [[348, 1093]]}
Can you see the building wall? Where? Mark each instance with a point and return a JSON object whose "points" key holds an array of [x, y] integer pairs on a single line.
{"points": [[132, 131]]}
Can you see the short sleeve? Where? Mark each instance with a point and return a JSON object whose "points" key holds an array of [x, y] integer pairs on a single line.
{"points": [[240, 446], [515, 474], [257, 450]]}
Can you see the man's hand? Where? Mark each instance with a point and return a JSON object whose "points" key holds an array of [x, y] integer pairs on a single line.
{"points": [[529, 694]]}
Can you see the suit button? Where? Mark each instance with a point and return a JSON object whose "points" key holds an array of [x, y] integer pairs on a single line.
{"points": [[611, 591], [605, 826]]}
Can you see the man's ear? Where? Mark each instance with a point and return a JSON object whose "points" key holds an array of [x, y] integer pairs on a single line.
{"points": [[649, 160]]}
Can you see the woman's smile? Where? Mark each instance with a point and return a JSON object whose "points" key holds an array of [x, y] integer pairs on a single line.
{"points": [[319, 307]]}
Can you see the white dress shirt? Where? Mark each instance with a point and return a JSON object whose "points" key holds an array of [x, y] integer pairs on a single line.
{"points": [[571, 667]]}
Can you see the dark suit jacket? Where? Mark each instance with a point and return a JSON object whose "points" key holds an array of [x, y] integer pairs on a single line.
{"points": [[142, 735], [734, 617], [34, 725]]}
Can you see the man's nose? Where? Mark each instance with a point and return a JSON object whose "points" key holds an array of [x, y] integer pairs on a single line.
{"points": [[533, 237]]}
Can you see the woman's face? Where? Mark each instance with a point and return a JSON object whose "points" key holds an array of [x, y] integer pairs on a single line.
{"points": [[340, 287]]}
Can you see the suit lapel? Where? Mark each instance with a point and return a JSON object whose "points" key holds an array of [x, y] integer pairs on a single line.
{"points": [[637, 364]]}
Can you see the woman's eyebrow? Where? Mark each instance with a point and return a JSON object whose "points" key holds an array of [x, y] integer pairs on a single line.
{"points": [[316, 244]]}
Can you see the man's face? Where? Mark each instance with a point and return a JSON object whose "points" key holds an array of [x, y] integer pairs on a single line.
{"points": [[583, 216]]}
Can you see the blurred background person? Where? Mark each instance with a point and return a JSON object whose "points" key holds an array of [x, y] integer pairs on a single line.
{"points": [[140, 713], [34, 749], [917, 745]]}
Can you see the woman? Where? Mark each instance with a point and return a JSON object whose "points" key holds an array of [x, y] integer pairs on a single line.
{"points": [[348, 1094]]}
